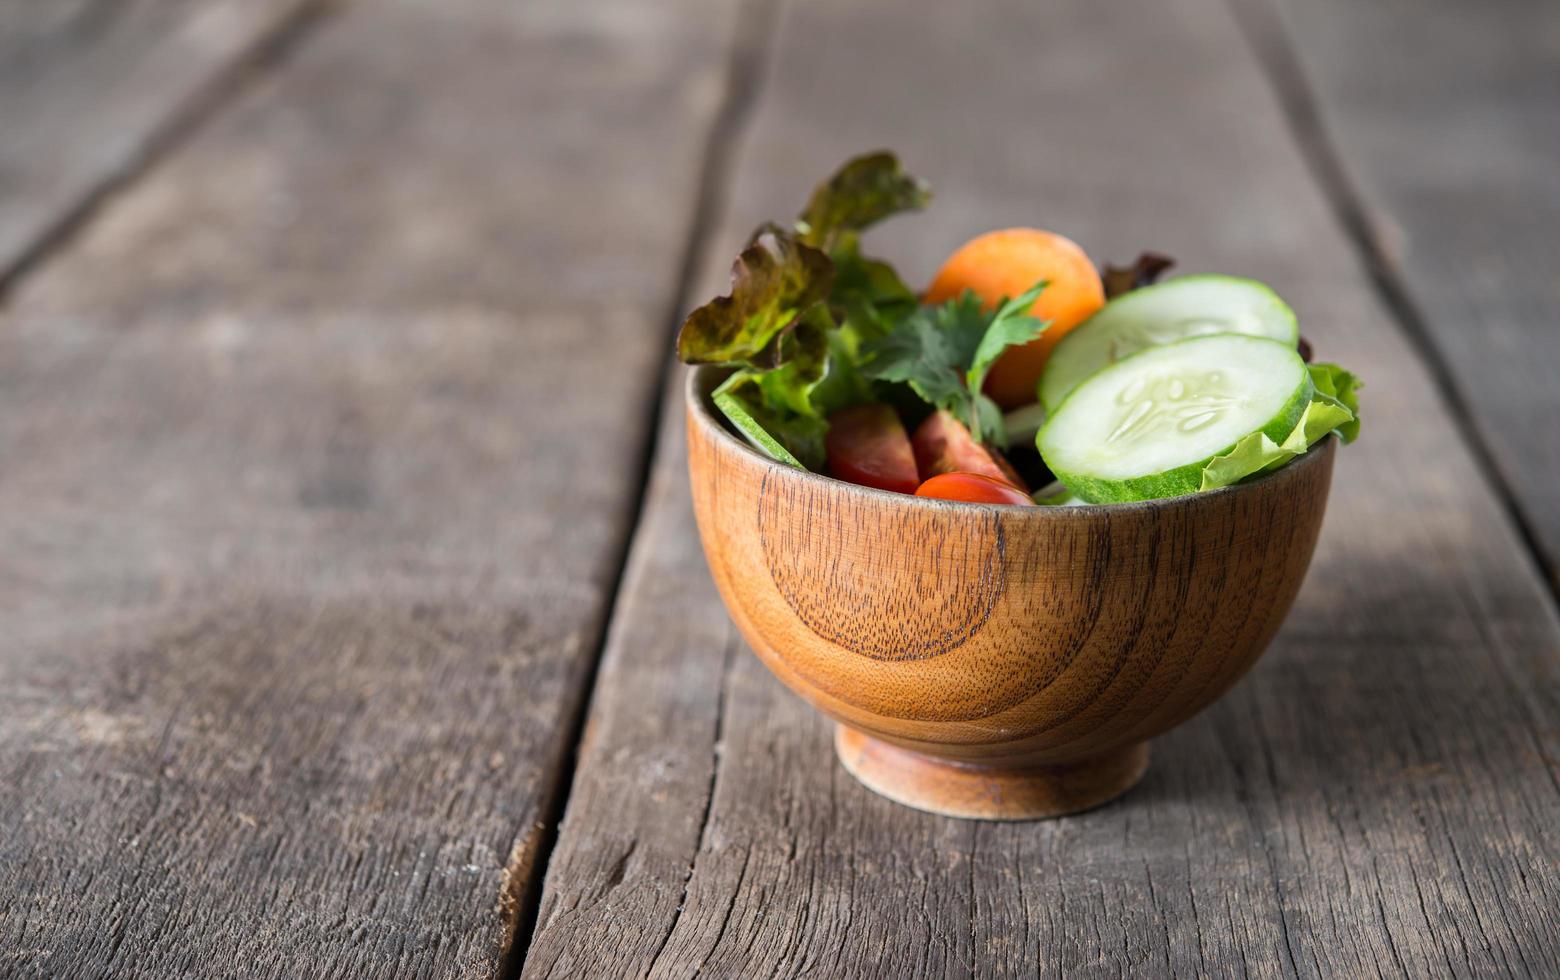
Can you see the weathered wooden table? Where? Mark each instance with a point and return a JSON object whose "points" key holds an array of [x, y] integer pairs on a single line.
{"points": [[352, 618]]}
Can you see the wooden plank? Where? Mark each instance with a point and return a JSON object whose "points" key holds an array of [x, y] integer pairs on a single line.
{"points": [[1377, 797], [321, 448], [89, 88], [1446, 119]]}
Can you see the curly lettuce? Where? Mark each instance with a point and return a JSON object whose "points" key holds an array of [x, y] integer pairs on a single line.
{"points": [[803, 303], [1334, 407]]}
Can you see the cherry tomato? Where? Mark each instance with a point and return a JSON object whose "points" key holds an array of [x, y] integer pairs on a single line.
{"points": [[942, 444], [972, 488], [868, 445]]}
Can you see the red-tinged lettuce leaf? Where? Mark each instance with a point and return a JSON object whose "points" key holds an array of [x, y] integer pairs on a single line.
{"points": [[799, 358], [805, 341], [804, 305], [1145, 271], [777, 410], [863, 192], [772, 283]]}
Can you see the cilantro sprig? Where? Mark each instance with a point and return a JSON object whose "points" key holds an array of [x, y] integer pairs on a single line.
{"points": [[944, 353]]}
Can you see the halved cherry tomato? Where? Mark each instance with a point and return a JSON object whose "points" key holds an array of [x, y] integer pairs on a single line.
{"points": [[972, 488], [943, 445], [867, 444]]}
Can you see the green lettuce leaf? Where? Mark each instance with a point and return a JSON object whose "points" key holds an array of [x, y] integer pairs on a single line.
{"points": [[794, 364], [771, 285], [842, 384], [778, 408], [1320, 417], [793, 438], [863, 192], [868, 296], [1258, 453], [861, 278], [1252, 454], [1342, 387]]}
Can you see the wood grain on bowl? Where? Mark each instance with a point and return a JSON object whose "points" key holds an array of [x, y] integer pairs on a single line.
{"points": [[1010, 639]]}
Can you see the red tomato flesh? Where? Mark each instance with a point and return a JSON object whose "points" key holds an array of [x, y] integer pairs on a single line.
{"points": [[943, 445], [973, 488], [868, 445]]}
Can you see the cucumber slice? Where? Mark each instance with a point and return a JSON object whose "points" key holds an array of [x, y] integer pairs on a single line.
{"points": [[1145, 426], [1190, 306]]}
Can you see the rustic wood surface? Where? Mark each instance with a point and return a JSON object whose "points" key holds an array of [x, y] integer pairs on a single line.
{"points": [[1375, 798], [1446, 122], [315, 493], [323, 439], [90, 89]]}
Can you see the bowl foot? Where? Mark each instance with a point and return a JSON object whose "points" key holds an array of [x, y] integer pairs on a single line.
{"points": [[981, 792]]}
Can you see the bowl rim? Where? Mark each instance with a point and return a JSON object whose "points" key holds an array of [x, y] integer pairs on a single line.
{"points": [[702, 379]]}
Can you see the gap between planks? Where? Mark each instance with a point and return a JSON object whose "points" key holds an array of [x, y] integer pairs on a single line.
{"points": [[751, 45], [264, 53], [1277, 55]]}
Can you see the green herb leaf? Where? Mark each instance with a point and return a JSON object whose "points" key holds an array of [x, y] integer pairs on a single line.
{"points": [[944, 353], [864, 191], [771, 285], [930, 350], [1012, 326]]}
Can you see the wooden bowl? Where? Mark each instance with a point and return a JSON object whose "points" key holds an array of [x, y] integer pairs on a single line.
{"points": [[1000, 663]]}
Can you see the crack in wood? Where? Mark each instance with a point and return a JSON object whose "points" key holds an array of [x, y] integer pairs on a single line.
{"points": [[1275, 52], [261, 56], [755, 19]]}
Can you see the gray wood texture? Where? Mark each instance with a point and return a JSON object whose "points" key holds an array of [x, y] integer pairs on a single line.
{"points": [[320, 449], [1377, 798], [90, 88], [1445, 117]]}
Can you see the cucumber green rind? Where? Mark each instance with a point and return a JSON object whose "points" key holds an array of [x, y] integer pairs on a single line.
{"points": [[751, 430], [1181, 480], [1079, 355]]}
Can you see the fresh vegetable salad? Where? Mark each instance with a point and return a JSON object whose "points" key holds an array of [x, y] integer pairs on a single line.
{"points": [[1021, 375]]}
